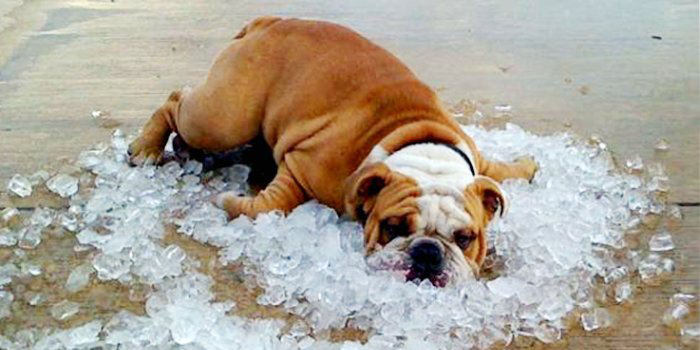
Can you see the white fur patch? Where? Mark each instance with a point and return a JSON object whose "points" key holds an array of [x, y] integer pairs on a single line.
{"points": [[443, 175], [378, 154], [442, 214], [432, 164]]}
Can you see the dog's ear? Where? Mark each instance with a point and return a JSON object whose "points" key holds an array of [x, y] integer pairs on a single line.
{"points": [[492, 196], [362, 187]]}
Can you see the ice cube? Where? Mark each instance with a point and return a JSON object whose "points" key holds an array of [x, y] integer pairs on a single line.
{"points": [[62, 184], [8, 238], [80, 336], [34, 298], [623, 292], [635, 163], [30, 238], [505, 286], [96, 114], [675, 314], [28, 269], [9, 216], [683, 297], [650, 269], [111, 266], [503, 108], [79, 278], [192, 167], [41, 217], [661, 242], [661, 145], [690, 332], [7, 344], [19, 185], [64, 310], [6, 299], [7, 271], [595, 319], [547, 333]]}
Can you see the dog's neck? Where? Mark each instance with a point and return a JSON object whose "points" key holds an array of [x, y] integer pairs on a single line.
{"points": [[434, 165]]}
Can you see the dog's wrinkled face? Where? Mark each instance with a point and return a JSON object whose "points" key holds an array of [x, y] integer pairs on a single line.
{"points": [[439, 229]]}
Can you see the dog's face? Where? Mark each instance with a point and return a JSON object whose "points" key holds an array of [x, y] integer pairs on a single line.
{"points": [[440, 230]]}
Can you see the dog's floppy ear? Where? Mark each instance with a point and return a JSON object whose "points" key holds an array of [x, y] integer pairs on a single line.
{"points": [[362, 187], [492, 197]]}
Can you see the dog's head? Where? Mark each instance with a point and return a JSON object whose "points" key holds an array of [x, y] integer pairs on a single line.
{"points": [[440, 229]]}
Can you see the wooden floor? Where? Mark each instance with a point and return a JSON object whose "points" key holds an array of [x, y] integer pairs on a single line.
{"points": [[561, 65]]}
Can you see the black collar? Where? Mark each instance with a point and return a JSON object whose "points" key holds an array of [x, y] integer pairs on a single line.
{"points": [[450, 146]]}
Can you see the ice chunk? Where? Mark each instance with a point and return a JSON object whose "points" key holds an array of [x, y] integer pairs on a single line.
{"points": [[7, 271], [505, 286], [9, 216], [595, 319], [19, 186], [8, 238], [503, 108], [82, 335], [34, 298], [62, 184], [79, 278], [675, 314], [28, 269], [623, 292], [39, 177], [64, 310], [683, 297], [111, 266], [690, 332], [661, 145], [635, 163], [30, 238], [650, 269], [134, 331], [661, 242], [192, 167], [41, 218], [547, 333], [6, 299]]}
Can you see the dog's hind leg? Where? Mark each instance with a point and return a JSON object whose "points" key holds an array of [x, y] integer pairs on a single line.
{"points": [[283, 193], [148, 147], [521, 168]]}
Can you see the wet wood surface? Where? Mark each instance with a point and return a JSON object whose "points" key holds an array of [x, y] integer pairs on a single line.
{"points": [[562, 66]]}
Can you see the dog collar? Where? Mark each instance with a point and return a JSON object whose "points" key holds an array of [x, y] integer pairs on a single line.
{"points": [[450, 146]]}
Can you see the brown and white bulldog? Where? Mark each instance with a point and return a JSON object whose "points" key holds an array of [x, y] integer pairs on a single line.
{"points": [[348, 125]]}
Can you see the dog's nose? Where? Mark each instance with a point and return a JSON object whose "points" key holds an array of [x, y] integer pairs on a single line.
{"points": [[426, 259]]}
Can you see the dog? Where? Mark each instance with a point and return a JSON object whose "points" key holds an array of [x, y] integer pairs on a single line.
{"points": [[352, 127]]}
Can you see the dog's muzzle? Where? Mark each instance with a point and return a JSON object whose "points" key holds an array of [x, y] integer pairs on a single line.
{"points": [[427, 259]]}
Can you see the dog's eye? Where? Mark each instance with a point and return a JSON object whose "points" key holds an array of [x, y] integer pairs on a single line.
{"points": [[394, 227], [463, 238]]}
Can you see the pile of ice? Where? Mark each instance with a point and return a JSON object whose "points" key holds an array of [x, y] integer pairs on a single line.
{"points": [[563, 233]]}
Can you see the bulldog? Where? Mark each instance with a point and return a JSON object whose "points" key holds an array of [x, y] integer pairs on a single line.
{"points": [[351, 126]]}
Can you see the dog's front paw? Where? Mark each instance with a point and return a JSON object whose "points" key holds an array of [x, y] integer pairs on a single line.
{"points": [[143, 152], [231, 203], [529, 166]]}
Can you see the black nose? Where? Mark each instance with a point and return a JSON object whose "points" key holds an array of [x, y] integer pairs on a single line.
{"points": [[426, 259]]}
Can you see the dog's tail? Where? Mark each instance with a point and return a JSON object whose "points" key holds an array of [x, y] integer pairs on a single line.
{"points": [[257, 24]]}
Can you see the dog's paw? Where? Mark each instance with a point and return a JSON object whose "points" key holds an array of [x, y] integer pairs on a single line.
{"points": [[141, 152], [529, 165], [230, 202]]}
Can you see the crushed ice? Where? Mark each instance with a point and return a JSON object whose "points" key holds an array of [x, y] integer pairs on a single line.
{"points": [[564, 232]]}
